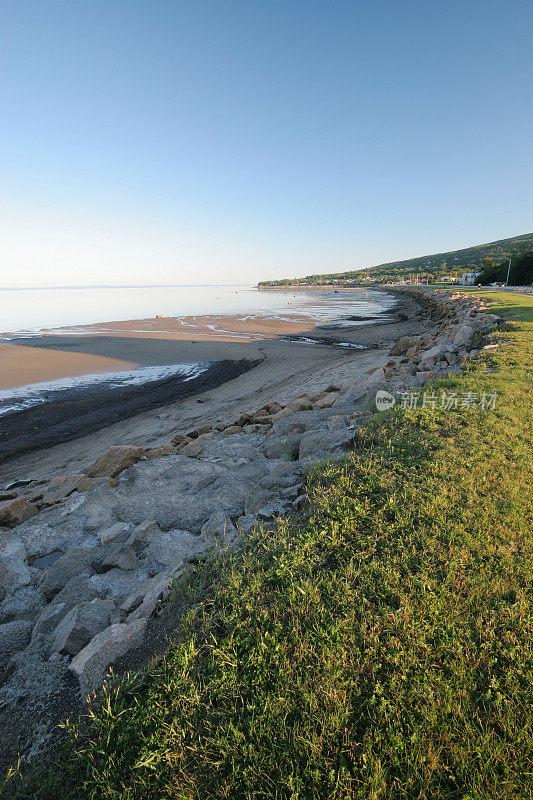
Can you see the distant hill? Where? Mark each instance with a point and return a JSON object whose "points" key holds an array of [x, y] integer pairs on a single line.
{"points": [[454, 263]]}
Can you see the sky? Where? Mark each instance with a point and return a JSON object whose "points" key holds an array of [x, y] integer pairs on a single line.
{"points": [[227, 141]]}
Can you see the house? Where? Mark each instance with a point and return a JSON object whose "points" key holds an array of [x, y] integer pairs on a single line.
{"points": [[469, 278]]}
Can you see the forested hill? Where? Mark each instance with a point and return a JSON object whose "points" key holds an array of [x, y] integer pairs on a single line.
{"points": [[438, 265]]}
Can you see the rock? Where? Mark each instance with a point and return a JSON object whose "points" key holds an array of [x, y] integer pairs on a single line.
{"points": [[116, 555], [13, 636], [76, 561], [46, 623], [256, 428], [246, 523], [141, 534], [115, 460], [256, 499], [91, 664], [117, 584], [335, 422], [402, 346], [14, 570], [77, 590], [142, 603], [464, 336], [173, 549], [376, 377], [219, 528], [60, 487], [118, 530], [298, 405], [185, 441], [13, 512], [327, 401], [318, 446], [196, 446], [200, 431], [82, 624], [159, 452], [24, 603]]}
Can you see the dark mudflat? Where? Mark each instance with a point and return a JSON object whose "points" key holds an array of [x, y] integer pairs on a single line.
{"points": [[77, 412]]}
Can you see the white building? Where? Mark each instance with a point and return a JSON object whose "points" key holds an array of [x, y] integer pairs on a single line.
{"points": [[469, 278]]}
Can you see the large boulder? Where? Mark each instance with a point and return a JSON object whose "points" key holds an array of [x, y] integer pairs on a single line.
{"points": [[402, 346], [15, 511], [24, 603], [464, 336], [172, 549], [115, 460], [90, 664], [82, 624], [76, 561], [142, 602], [219, 528], [14, 570], [61, 487]]}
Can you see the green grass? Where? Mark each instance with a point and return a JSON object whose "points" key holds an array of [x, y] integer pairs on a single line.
{"points": [[379, 648]]}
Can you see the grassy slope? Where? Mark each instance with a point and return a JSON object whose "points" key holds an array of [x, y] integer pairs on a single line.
{"points": [[379, 649]]}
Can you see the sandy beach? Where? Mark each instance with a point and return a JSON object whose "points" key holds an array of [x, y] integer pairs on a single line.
{"points": [[260, 358]]}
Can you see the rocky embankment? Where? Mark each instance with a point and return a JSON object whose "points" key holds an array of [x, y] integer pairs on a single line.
{"points": [[86, 559]]}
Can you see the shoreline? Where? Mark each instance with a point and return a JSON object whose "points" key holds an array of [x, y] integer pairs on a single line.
{"points": [[280, 367]]}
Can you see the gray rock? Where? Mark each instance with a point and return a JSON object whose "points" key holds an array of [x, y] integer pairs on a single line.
{"points": [[14, 636], [91, 664], [336, 421], [54, 529], [116, 531], [82, 624], [464, 336], [246, 523], [142, 603], [256, 499], [319, 446], [173, 549], [46, 623], [14, 570], [118, 556], [219, 528], [77, 590], [141, 535], [180, 492], [118, 584], [76, 561], [24, 603]]}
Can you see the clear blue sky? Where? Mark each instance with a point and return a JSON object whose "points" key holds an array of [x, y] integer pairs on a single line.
{"points": [[229, 140]]}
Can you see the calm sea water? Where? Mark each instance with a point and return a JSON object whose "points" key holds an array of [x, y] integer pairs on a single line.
{"points": [[36, 310]]}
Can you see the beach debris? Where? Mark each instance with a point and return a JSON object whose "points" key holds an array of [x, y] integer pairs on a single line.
{"points": [[18, 482], [115, 460]]}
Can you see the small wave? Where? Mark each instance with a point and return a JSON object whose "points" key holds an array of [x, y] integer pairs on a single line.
{"points": [[22, 397]]}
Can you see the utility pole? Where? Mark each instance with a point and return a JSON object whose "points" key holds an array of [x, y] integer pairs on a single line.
{"points": [[508, 271]]}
